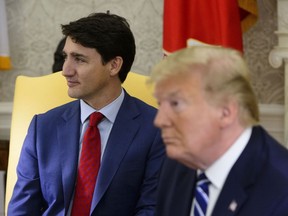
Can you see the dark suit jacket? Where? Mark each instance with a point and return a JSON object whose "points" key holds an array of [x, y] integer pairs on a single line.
{"points": [[257, 183], [128, 176]]}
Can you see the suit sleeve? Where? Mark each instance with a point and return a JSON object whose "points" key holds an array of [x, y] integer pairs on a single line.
{"points": [[27, 197], [147, 201]]}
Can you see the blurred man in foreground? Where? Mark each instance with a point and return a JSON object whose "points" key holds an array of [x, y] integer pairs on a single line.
{"points": [[208, 116]]}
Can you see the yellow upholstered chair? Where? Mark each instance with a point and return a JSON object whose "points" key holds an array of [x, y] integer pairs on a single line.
{"points": [[35, 95], [136, 85]]}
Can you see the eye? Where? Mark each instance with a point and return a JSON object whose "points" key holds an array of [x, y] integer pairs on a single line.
{"points": [[64, 56], [177, 104], [79, 60], [174, 103]]}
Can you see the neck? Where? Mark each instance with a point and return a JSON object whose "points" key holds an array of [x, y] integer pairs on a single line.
{"points": [[105, 97]]}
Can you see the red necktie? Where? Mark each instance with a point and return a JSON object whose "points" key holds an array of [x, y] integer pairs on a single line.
{"points": [[88, 167]]}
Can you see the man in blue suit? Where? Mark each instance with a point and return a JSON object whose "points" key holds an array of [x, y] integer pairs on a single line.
{"points": [[208, 116], [99, 51]]}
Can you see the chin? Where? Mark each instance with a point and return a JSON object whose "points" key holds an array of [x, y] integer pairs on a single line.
{"points": [[73, 94], [172, 153]]}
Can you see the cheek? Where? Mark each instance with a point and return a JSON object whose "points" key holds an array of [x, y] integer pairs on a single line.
{"points": [[90, 78], [196, 129], [186, 131], [203, 136]]}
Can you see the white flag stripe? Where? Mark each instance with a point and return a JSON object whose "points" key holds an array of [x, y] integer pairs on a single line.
{"points": [[4, 45], [5, 63]]}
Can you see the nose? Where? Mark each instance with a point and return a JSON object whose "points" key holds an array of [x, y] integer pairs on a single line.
{"points": [[161, 120], [67, 69]]}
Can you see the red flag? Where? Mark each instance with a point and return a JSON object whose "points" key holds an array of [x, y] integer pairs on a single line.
{"points": [[215, 22]]}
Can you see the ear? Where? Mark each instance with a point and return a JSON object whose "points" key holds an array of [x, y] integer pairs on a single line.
{"points": [[115, 65], [229, 114]]}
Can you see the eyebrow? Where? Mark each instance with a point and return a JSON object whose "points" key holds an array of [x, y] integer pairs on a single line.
{"points": [[77, 55], [174, 93]]}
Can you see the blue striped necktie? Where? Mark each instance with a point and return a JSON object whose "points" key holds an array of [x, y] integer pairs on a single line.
{"points": [[201, 195]]}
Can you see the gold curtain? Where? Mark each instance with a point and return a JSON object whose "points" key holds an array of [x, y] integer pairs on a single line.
{"points": [[250, 9]]}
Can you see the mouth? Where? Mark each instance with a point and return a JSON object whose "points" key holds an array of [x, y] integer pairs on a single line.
{"points": [[72, 83], [168, 140]]}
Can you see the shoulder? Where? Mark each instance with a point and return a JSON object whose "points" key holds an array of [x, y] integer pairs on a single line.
{"points": [[66, 110], [59, 109], [274, 159], [276, 151], [137, 110], [136, 103]]}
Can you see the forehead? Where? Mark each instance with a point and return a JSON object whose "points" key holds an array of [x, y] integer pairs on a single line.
{"points": [[179, 85]]}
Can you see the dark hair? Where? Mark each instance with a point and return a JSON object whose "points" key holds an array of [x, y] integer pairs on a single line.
{"points": [[109, 34], [58, 56]]}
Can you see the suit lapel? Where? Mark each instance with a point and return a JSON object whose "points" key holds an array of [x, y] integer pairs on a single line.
{"points": [[124, 129], [68, 137], [230, 200], [182, 196]]}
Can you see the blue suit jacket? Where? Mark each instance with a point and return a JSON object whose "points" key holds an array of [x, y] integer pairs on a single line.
{"points": [[257, 183], [128, 176]]}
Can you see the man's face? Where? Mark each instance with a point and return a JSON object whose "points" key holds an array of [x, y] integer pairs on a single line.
{"points": [[87, 77], [190, 126]]}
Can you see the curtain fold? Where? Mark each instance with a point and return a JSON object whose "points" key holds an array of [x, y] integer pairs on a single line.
{"points": [[248, 13]]}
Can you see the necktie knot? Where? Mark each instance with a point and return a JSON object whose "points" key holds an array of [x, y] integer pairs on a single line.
{"points": [[95, 118], [202, 180]]}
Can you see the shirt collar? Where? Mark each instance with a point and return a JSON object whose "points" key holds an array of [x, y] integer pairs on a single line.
{"points": [[219, 170], [109, 111]]}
